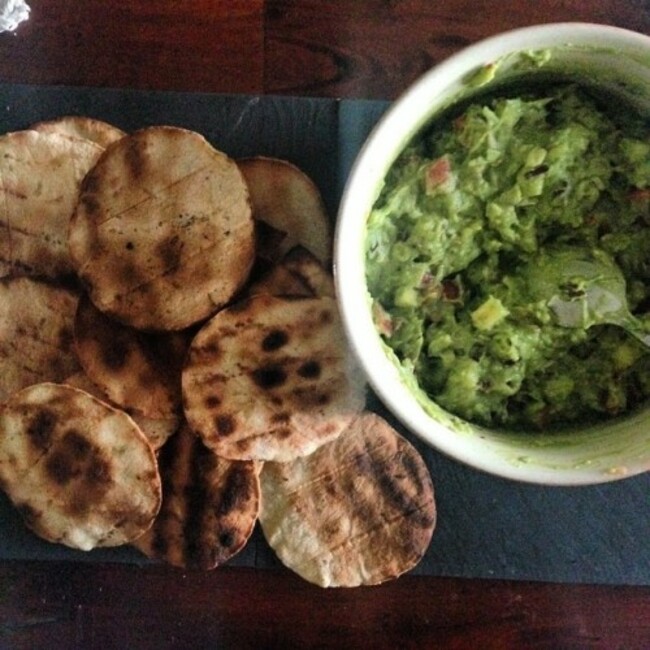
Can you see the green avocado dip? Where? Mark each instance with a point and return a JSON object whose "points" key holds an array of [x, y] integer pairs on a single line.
{"points": [[472, 200]]}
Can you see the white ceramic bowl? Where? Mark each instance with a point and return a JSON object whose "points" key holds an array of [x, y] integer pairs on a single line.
{"points": [[620, 61]]}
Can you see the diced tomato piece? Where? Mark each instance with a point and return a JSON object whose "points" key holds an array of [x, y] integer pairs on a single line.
{"points": [[382, 319], [450, 290], [637, 195], [438, 173]]}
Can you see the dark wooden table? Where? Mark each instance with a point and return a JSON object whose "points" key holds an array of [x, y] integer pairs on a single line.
{"points": [[328, 48]]}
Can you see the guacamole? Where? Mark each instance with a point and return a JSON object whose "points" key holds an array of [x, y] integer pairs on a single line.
{"points": [[471, 202]]}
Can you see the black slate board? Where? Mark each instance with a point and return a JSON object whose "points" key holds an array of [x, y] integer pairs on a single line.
{"points": [[487, 527]]}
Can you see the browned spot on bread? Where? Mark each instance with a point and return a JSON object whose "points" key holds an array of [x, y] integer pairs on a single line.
{"points": [[326, 317], [310, 370], [225, 424], [135, 158], [75, 457], [41, 428], [90, 205], [269, 376], [129, 274], [309, 397], [329, 485], [212, 348], [243, 445], [227, 538], [169, 251], [236, 492], [212, 401], [208, 352], [274, 340], [59, 470], [77, 445]]}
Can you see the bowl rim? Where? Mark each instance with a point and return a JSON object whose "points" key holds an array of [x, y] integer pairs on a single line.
{"points": [[387, 138]]}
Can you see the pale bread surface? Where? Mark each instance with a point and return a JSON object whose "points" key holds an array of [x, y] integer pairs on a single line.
{"points": [[156, 430], [80, 472], [36, 333], [271, 379], [358, 511], [40, 178], [163, 234], [209, 509], [81, 126], [285, 198]]}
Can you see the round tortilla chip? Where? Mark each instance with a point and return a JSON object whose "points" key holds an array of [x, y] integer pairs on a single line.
{"points": [[209, 509], [163, 234], [39, 185], [80, 472], [286, 199], [271, 379], [138, 371], [358, 511], [36, 333], [156, 430], [79, 126]]}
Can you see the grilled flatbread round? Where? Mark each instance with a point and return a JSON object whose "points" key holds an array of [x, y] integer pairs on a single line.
{"points": [[138, 371], [80, 472], [209, 507], [39, 186], [271, 379], [36, 333], [163, 234], [358, 511], [79, 126], [156, 430], [286, 199]]}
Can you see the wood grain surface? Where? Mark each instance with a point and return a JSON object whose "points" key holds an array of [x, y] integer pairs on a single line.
{"points": [[375, 48], [360, 48], [329, 48], [64, 605]]}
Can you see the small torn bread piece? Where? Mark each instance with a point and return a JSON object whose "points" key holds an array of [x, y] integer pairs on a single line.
{"points": [[163, 234], [39, 185], [156, 430], [80, 472], [80, 126], [298, 273], [271, 379], [286, 199], [358, 511], [209, 509], [36, 333], [138, 371]]}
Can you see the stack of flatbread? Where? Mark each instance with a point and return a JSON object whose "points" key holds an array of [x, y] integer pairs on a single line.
{"points": [[173, 367]]}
